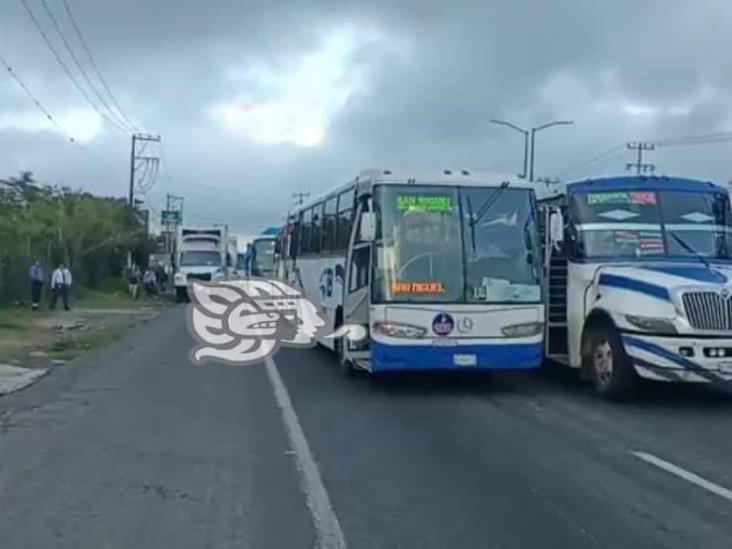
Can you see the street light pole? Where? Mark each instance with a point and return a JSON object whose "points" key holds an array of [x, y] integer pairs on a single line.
{"points": [[533, 139], [526, 141]]}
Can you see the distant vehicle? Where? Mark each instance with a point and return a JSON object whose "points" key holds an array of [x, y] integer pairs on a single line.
{"points": [[201, 254], [639, 273], [442, 269], [261, 256]]}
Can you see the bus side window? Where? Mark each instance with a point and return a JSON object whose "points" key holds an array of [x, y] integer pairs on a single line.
{"points": [[330, 221], [305, 224], [360, 261], [317, 231], [345, 218]]}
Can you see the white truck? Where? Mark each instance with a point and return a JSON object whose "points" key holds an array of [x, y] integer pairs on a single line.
{"points": [[201, 254], [639, 280]]}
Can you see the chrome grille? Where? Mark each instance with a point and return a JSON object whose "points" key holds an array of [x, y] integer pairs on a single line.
{"points": [[708, 310]]}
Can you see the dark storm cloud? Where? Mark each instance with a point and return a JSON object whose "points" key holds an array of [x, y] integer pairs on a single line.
{"points": [[423, 90]]}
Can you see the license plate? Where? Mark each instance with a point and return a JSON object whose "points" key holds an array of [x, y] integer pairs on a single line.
{"points": [[444, 342], [465, 360]]}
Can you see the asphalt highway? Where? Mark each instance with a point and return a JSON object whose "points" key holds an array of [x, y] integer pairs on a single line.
{"points": [[134, 447]]}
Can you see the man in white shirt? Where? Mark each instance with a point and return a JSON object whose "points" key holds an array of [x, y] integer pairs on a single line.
{"points": [[60, 284]]}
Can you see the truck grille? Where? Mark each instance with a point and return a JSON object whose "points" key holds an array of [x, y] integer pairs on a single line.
{"points": [[708, 310], [202, 276]]}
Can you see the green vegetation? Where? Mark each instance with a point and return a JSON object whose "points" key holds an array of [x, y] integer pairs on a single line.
{"points": [[90, 234]]}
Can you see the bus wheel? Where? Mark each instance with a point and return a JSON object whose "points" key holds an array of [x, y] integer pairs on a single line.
{"points": [[344, 365], [610, 368], [181, 295]]}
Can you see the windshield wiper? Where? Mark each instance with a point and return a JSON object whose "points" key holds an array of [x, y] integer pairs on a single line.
{"points": [[488, 203], [472, 225], [691, 250]]}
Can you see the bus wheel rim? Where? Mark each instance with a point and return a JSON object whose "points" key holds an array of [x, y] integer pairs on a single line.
{"points": [[603, 362]]}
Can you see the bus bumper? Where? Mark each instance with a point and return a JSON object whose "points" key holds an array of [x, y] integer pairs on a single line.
{"points": [[506, 356], [684, 359]]}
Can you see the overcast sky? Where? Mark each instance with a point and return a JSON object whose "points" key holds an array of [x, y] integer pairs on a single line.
{"points": [[258, 99]]}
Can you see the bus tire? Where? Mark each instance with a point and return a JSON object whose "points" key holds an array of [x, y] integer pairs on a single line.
{"points": [[344, 365], [181, 295], [609, 366]]}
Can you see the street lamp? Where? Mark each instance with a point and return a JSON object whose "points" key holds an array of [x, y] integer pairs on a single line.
{"points": [[526, 141], [538, 129]]}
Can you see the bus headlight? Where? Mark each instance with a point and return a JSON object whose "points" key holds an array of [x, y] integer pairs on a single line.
{"points": [[397, 329], [652, 324], [526, 329]]}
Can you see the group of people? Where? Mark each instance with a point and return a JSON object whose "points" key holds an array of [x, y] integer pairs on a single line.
{"points": [[152, 280], [60, 284]]}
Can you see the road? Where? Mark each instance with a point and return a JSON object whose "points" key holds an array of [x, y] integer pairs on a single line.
{"points": [[134, 447]]}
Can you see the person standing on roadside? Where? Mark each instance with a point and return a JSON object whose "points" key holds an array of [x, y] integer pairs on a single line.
{"points": [[36, 279], [150, 283], [133, 281], [60, 284]]}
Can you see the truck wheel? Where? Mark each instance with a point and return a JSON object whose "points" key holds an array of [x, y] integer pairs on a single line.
{"points": [[610, 368], [181, 295]]}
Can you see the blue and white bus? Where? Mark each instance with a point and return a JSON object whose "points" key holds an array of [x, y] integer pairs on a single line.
{"points": [[639, 274], [260, 254], [443, 269]]}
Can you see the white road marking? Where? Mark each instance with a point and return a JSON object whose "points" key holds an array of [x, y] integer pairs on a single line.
{"points": [[327, 528], [686, 475]]}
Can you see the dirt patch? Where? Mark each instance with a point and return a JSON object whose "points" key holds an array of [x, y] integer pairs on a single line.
{"points": [[47, 339]]}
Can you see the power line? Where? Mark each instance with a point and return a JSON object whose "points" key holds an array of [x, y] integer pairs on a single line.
{"points": [[65, 68], [46, 113], [94, 65], [83, 72], [601, 158]]}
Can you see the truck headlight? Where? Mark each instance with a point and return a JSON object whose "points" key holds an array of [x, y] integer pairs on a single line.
{"points": [[526, 329], [652, 324], [397, 329], [179, 278]]}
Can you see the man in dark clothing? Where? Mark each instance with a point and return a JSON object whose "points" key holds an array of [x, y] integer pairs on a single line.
{"points": [[36, 279]]}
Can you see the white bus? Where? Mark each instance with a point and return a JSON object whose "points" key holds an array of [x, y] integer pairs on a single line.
{"points": [[639, 280], [443, 270]]}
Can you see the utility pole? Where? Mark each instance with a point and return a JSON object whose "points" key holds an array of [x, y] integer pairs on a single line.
{"points": [[300, 198], [137, 137], [639, 165]]}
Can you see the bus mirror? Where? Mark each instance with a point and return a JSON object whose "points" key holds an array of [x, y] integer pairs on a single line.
{"points": [[367, 230], [556, 228]]}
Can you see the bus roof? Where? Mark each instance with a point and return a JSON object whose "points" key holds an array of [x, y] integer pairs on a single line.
{"points": [[461, 177], [626, 182]]}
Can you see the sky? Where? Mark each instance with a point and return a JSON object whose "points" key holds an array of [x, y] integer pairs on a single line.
{"points": [[256, 100]]}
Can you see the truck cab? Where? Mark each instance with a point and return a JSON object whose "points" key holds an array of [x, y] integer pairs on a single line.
{"points": [[201, 254]]}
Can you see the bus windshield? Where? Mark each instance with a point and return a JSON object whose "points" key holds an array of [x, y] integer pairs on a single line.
{"points": [[640, 223], [263, 256], [200, 258], [455, 245]]}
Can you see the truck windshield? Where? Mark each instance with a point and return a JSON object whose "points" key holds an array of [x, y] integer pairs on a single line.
{"points": [[200, 258], [433, 246], [641, 223]]}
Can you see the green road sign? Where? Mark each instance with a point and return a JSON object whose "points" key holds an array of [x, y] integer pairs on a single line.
{"points": [[170, 217]]}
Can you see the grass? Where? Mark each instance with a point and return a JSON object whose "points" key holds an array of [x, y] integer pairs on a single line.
{"points": [[72, 346], [94, 299]]}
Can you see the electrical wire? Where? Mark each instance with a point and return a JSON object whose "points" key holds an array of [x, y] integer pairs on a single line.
{"points": [[65, 68], [47, 114], [601, 158], [81, 69], [94, 65]]}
